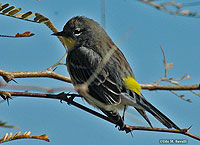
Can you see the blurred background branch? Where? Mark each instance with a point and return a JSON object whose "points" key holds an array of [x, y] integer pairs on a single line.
{"points": [[174, 7]]}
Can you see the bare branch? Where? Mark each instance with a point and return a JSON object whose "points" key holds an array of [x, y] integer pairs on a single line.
{"points": [[177, 7], [174, 81], [127, 129], [8, 76], [184, 131], [170, 87]]}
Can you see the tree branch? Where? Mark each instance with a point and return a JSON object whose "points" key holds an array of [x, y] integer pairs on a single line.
{"points": [[69, 99], [8, 76], [153, 86]]}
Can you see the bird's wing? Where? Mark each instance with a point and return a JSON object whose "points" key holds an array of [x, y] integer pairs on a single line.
{"points": [[82, 63]]}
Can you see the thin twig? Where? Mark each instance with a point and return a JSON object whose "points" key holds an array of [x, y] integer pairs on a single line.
{"points": [[180, 96], [59, 62], [164, 61]]}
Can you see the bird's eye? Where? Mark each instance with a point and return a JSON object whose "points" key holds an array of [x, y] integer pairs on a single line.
{"points": [[77, 32]]}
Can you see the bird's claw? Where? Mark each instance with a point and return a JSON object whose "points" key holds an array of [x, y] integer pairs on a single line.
{"points": [[124, 128]]}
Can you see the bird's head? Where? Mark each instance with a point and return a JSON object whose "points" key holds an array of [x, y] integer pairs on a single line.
{"points": [[79, 29]]}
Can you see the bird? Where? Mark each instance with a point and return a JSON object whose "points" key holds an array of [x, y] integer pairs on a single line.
{"points": [[112, 86]]}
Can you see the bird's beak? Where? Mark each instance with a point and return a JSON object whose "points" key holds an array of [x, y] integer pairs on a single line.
{"points": [[68, 42], [58, 33]]}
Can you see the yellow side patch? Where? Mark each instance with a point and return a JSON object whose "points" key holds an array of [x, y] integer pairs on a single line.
{"points": [[133, 85]]}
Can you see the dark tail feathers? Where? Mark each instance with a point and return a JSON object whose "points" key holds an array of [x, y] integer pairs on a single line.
{"points": [[157, 114]]}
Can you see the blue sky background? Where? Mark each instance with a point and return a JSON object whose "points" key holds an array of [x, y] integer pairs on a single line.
{"points": [[179, 36]]}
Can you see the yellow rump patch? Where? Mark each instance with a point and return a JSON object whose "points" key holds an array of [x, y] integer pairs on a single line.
{"points": [[133, 85]]}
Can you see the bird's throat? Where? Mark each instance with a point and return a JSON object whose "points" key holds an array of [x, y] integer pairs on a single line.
{"points": [[69, 42]]}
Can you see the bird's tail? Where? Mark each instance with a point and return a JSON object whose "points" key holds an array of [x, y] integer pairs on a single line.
{"points": [[142, 105], [156, 113]]}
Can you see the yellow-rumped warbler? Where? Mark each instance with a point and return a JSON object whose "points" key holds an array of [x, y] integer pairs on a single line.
{"points": [[114, 84]]}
